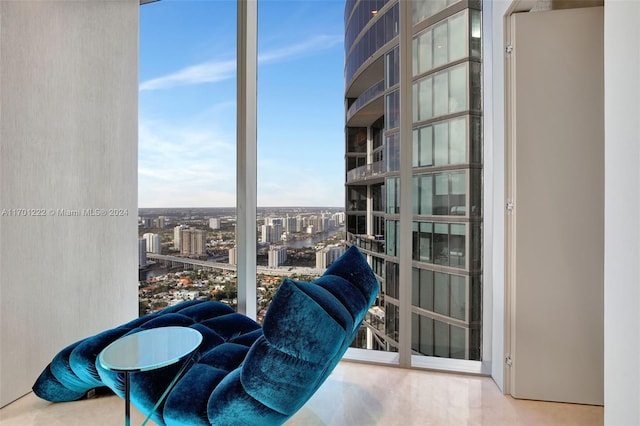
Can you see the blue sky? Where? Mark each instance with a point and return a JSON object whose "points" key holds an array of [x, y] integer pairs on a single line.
{"points": [[187, 142]]}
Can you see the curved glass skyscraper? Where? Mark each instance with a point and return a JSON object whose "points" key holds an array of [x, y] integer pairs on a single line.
{"points": [[444, 276]]}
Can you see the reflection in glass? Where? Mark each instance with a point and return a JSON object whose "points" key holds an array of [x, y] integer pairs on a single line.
{"points": [[426, 335], [440, 94], [424, 9], [441, 332], [440, 44], [441, 195], [357, 139], [392, 280], [457, 245], [476, 33], [422, 147], [441, 148], [392, 237], [457, 140], [448, 94], [392, 146], [457, 342], [458, 89], [426, 289], [457, 37], [392, 322], [441, 243], [441, 293], [458, 296], [447, 197], [357, 198], [377, 197], [392, 110], [393, 195], [392, 68], [450, 143], [356, 224], [422, 236]]}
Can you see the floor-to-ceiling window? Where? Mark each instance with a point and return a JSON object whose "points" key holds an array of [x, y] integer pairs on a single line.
{"points": [[445, 274], [187, 151], [298, 157], [285, 199]]}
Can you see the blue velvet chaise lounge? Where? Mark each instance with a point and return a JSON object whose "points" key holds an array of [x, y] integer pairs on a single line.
{"points": [[242, 373]]}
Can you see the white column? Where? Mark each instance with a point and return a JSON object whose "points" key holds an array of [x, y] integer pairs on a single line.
{"points": [[246, 174], [622, 210], [493, 297], [406, 182]]}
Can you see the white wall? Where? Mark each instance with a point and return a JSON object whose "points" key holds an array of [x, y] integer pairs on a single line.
{"points": [[68, 140], [622, 213]]}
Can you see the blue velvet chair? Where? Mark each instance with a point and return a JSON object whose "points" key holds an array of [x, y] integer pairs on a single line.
{"points": [[243, 374]]}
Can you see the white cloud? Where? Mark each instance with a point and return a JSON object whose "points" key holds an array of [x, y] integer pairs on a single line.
{"points": [[215, 71], [185, 166], [320, 42], [208, 72], [188, 159]]}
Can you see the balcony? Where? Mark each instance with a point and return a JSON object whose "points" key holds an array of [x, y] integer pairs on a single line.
{"points": [[368, 107], [366, 172], [371, 243]]}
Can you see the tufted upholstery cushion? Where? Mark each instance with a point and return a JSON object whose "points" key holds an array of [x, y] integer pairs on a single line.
{"points": [[74, 371], [243, 374]]}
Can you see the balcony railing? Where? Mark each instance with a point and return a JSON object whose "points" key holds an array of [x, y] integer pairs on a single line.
{"points": [[372, 243], [371, 93], [375, 318], [366, 171]]}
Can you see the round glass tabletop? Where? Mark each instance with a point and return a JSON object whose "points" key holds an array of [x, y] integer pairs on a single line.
{"points": [[150, 349]]}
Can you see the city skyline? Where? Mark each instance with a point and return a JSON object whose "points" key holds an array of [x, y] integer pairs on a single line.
{"points": [[187, 131]]}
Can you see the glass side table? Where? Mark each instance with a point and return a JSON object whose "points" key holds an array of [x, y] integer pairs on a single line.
{"points": [[149, 350]]}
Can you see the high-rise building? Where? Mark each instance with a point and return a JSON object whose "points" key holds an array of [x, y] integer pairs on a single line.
{"points": [[144, 222], [193, 242], [232, 256], [327, 255], [274, 221], [435, 142], [214, 223], [153, 243], [277, 256], [291, 224], [277, 232], [142, 252], [271, 233], [159, 222], [177, 237], [265, 234], [324, 222]]}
